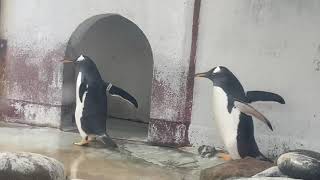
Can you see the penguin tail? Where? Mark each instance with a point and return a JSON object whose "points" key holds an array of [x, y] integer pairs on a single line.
{"points": [[263, 158], [116, 91], [107, 141]]}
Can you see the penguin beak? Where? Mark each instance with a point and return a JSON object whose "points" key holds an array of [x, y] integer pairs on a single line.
{"points": [[201, 75], [66, 61]]}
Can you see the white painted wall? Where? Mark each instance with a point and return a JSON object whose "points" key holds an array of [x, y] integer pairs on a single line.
{"points": [[270, 45], [43, 26]]}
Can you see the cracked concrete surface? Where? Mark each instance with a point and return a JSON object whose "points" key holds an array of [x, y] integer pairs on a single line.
{"points": [[136, 160]]}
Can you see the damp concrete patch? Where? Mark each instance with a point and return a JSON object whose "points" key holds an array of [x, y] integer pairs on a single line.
{"points": [[136, 160]]}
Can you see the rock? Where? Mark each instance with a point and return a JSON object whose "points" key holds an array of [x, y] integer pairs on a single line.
{"points": [[271, 172], [29, 166], [264, 178], [303, 164], [207, 151], [246, 167]]}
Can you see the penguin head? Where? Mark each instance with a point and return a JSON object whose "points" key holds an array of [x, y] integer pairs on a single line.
{"points": [[86, 65], [217, 73], [82, 62], [82, 59], [222, 77]]}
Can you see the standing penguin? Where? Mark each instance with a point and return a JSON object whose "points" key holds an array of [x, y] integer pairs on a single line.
{"points": [[233, 114], [91, 103]]}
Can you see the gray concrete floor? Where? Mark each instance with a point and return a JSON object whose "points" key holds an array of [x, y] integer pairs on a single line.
{"points": [[136, 160]]}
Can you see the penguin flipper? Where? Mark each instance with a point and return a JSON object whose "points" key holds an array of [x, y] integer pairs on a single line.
{"points": [[254, 96], [82, 90], [251, 111], [116, 91]]}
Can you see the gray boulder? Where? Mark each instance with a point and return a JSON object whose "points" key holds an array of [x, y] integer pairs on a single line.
{"points": [[302, 164], [264, 178], [30, 166]]}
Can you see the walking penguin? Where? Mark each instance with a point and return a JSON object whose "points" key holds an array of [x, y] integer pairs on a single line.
{"points": [[233, 113], [91, 102]]}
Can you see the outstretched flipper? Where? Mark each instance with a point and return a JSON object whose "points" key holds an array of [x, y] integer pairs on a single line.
{"points": [[251, 111], [254, 96], [116, 91]]}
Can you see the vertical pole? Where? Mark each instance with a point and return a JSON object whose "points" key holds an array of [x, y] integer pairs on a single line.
{"points": [[192, 63]]}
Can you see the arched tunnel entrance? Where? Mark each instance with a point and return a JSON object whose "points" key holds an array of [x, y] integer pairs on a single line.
{"points": [[123, 56]]}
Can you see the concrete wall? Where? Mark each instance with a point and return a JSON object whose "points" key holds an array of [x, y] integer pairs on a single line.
{"points": [[269, 45], [38, 32]]}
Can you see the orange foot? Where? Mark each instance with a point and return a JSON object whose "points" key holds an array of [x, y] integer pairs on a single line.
{"points": [[83, 142], [225, 156]]}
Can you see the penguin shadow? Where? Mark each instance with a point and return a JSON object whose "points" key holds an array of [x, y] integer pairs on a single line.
{"points": [[96, 144]]}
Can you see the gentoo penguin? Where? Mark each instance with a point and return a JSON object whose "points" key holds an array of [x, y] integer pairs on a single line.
{"points": [[233, 113], [91, 102]]}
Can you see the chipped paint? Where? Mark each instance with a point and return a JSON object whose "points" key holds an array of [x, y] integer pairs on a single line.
{"points": [[33, 74], [33, 82]]}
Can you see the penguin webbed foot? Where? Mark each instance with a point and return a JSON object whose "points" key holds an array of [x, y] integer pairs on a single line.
{"points": [[206, 151], [225, 156], [83, 142]]}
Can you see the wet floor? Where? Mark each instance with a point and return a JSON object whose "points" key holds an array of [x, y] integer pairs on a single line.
{"points": [[90, 163]]}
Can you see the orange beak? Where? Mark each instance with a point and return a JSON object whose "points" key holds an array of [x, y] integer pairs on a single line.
{"points": [[200, 75], [66, 61]]}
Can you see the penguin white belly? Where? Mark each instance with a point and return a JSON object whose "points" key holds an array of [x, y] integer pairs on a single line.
{"points": [[227, 123], [79, 107]]}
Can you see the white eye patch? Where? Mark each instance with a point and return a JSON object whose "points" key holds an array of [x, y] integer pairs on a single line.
{"points": [[81, 58], [217, 69]]}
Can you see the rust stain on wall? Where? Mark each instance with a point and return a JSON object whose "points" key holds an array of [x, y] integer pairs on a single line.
{"points": [[168, 133], [3, 53], [172, 103], [7, 109], [32, 78], [168, 98], [32, 82], [167, 126]]}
